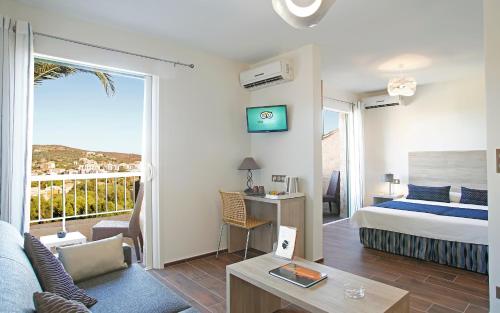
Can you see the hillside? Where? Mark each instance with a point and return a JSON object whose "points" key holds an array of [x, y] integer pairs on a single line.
{"points": [[65, 157]]}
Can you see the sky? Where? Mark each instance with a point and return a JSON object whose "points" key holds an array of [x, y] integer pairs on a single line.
{"points": [[330, 121], [75, 111]]}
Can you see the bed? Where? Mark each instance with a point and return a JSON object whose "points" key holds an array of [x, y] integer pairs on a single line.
{"points": [[453, 234]]}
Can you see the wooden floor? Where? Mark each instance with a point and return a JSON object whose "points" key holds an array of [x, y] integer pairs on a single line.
{"points": [[434, 288]]}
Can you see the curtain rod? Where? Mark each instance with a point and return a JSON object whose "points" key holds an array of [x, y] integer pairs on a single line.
{"points": [[338, 100], [114, 50]]}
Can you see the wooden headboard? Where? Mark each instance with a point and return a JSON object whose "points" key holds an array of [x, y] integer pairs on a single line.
{"points": [[445, 168]]}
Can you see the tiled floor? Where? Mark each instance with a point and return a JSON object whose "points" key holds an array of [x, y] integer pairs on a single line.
{"points": [[434, 288]]}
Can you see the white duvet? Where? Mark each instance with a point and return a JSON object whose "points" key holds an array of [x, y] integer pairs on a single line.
{"points": [[425, 224]]}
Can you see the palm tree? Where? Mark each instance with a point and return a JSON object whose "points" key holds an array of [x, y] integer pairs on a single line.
{"points": [[47, 71]]}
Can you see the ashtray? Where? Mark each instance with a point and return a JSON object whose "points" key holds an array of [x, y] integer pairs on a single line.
{"points": [[354, 291]]}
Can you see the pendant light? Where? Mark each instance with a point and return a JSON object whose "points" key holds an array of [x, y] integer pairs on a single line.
{"points": [[302, 13], [402, 86]]}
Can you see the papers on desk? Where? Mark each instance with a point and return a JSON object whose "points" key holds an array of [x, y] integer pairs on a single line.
{"points": [[285, 196]]}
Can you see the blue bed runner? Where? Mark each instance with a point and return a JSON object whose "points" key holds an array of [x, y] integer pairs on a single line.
{"points": [[435, 209]]}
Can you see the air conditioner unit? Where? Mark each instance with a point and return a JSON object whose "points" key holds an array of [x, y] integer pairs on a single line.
{"points": [[381, 101], [267, 75]]}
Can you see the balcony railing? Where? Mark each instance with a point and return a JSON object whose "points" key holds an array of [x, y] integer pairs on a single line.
{"points": [[73, 196]]}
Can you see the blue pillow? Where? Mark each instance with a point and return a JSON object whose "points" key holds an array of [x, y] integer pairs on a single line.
{"points": [[474, 196], [438, 194]]}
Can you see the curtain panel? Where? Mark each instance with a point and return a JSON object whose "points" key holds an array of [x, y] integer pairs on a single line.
{"points": [[16, 77], [356, 158]]}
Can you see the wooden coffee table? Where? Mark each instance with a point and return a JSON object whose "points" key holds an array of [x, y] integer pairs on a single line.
{"points": [[251, 289]]}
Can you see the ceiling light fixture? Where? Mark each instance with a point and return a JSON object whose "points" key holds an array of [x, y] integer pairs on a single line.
{"points": [[302, 13], [402, 86]]}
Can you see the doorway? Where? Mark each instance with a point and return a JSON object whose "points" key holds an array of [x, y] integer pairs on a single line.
{"points": [[334, 164], [93, 140]]}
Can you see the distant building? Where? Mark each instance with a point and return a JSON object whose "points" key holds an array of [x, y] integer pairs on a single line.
{"points": [[47, 166]]}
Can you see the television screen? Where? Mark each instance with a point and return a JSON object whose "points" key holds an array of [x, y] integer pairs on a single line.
{"points": [[267, 119]]}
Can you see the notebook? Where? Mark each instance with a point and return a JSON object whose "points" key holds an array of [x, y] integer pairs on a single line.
{"points": [[298, 275]]}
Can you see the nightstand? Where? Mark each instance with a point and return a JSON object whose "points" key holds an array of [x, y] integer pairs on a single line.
{"points": [[384, 198]]}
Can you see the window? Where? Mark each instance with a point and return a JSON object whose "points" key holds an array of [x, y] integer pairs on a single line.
{"points": [[330, 121], [87, 141]]}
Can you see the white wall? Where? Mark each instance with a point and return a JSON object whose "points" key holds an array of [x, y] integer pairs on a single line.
{"points": [[332, 94], [298, 151], [202, 126], [440, 117], [492, 66]]}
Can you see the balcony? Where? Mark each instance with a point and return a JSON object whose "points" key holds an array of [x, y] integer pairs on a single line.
{"points": [[76, 202]]}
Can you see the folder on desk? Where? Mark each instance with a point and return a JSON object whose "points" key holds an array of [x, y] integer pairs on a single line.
{"points": [[299, 275]]}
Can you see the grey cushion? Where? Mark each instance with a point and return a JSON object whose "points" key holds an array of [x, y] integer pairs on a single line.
{"points": [[51, 273], [94, 258], [132, 290], [47, 302], [18, 281]]}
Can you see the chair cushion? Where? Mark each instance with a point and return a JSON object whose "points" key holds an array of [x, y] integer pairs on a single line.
{"points": [[132, 290], [108, 228], [51, 273], [94, 258], [112, 224], [47, 302]]}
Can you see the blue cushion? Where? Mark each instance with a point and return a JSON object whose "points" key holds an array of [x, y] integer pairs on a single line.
{"points": [[438, 194], [132, 290], [474, 196], [18, 280]]}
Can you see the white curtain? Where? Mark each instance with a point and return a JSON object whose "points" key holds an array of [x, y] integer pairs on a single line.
{"points": [[356, 158], [16, 77]]}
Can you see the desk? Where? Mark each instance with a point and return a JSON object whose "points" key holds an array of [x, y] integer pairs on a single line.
{"points": [[250, 289], [286, 212]]}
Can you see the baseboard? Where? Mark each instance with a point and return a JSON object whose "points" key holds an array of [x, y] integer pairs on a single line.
{"points": [[194, 258]]}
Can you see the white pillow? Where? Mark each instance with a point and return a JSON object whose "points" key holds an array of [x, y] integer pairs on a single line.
{"points": [[455, 197], [93, 259]]}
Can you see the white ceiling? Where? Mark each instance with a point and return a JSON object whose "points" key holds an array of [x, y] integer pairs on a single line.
{"points": [[362, 41]]}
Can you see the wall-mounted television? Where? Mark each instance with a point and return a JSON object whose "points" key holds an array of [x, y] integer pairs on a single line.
{"points": [[267, 119]]}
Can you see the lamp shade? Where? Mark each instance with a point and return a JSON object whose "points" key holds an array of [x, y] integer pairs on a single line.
{"points": [[249, 164], [402, 86], [389, 178], [302, 13]]}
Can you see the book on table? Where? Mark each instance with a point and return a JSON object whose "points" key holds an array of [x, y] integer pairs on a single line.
{"points": [[299, 275]]}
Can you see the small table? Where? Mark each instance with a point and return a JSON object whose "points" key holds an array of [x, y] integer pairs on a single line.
{"points": [[377, 199], [251, 289], [73, 238]]}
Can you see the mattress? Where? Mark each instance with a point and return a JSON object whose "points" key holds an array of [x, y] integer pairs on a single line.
{"points": [[425, 224]]}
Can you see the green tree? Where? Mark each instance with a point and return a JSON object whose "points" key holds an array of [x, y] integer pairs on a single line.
{"points": [[47, 71]]}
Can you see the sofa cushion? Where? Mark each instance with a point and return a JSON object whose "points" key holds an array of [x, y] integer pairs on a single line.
{"points": [[94, 258], [48, 302], [51, 273], [18, 281], [132, 290]]}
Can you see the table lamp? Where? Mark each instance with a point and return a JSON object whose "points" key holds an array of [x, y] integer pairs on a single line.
{"points": [[249, 164], [389, 178]]}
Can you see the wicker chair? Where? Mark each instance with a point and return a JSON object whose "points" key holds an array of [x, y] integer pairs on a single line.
{"points": [[234, 213], [131, 229]]}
